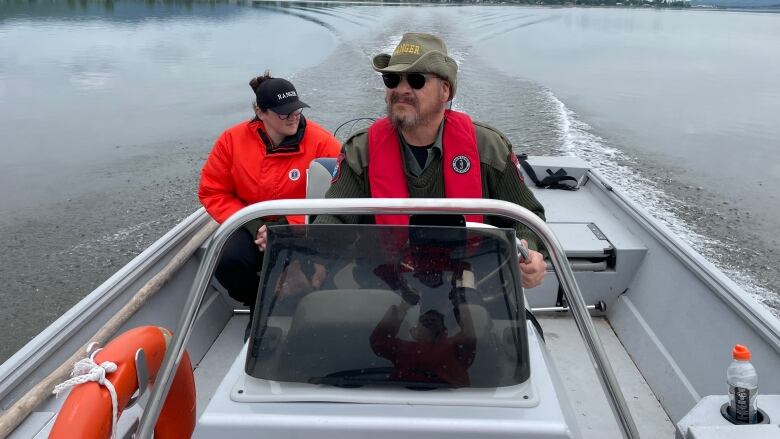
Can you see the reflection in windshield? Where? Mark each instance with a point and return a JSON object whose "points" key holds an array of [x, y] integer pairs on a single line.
{"points": [[421, 307], [432, 356]]}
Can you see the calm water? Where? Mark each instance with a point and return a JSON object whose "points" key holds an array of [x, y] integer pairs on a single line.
{"points": [[107, 113]]}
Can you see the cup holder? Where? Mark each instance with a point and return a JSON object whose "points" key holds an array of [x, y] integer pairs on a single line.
{"points": [[761, 416]]}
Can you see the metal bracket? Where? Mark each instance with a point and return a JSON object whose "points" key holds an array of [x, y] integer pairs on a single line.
{"points": [[599, 306], [142, 375]]}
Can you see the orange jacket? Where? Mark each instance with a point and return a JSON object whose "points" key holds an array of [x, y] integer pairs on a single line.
{"points": [[239, 171]]}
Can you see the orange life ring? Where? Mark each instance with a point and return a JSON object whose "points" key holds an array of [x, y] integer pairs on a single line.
{"points": [[87, 412]]}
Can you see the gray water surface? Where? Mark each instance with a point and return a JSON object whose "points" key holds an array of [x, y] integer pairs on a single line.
{"points": [[107, 114], [691, 99]]}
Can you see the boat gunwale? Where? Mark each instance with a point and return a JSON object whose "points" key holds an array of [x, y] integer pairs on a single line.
{"points": [[22, 364], [739, 300]]}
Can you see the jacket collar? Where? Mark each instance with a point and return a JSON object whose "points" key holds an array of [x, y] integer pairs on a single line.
{"points": [[290, 144]]}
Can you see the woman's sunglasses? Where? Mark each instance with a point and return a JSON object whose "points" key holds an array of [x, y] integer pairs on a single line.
{"points": [[415, 80]]}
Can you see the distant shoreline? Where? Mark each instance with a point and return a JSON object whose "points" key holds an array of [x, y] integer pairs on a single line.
{"points": [[634, 4], [109, 5]]}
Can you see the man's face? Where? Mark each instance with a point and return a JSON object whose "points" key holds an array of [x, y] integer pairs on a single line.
{"points": [[430, 327], [410, 107]]}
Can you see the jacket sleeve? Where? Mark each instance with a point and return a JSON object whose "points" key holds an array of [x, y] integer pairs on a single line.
{"points": [[504, 181], [512, 188], [329, 146], [217, 190], [384, 339]]}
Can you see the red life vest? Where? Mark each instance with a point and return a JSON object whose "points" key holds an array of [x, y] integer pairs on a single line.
{"points": [[460, 161]]}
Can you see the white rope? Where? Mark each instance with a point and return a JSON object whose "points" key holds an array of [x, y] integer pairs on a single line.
{"points": [[86, 370]]}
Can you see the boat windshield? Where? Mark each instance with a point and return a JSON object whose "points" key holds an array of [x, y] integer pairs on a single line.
{"points": [[420, 307]]}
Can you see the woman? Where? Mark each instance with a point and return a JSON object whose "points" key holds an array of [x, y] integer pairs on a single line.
{"points": [[258, 160]]}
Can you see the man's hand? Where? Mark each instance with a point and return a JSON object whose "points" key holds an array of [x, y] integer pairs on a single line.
{"points": [[319, 275], [533, 269], [262, 238], [409, 295]]}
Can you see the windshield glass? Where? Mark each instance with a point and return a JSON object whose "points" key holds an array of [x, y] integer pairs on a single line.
{"points": [[420, 307]]}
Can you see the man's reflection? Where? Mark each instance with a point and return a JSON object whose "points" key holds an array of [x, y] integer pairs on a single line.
{"points": [[432, 356]]}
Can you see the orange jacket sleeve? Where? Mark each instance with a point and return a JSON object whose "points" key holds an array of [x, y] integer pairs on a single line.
{"points": [[330, 147], [217, 190]]}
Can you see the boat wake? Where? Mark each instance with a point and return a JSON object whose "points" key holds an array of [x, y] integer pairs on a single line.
{"points": [[578, 138]]}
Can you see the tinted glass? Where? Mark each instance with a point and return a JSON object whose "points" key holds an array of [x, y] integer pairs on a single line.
{"points": [[420, 307]]}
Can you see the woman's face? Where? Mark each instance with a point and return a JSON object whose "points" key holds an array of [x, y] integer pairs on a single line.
{"points": [[280, 126]]}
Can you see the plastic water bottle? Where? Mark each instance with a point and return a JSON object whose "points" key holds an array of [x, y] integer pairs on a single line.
{"points": [[743, 386]]}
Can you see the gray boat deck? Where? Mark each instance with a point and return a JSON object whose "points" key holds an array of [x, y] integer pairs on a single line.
{"points": [[210, 371], [565, 344], [582, 384]]}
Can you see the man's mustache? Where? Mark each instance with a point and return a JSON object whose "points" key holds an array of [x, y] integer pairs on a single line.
{"points": [[396, 98]]}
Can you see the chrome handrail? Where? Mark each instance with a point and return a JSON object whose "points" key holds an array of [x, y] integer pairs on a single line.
{"points": [[386, 206]]}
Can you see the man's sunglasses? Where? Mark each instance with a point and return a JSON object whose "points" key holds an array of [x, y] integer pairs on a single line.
{"points": [[415, 80]]}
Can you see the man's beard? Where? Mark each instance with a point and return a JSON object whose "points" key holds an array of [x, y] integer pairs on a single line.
{"points": [[407, 120]]}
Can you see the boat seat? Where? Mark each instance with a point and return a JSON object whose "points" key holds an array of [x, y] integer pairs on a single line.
{"points": [[333, 318], [345, 319], [319, 175]]}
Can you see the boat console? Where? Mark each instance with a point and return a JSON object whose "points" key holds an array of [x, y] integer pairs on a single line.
{"points": [[381, 330], [243, 405], [417, 329]]}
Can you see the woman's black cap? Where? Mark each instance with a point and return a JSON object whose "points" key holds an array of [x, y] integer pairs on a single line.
{"points": [[279, 96]]}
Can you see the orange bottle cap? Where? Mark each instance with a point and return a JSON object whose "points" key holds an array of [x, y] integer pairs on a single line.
{"points": [[741, 352]]}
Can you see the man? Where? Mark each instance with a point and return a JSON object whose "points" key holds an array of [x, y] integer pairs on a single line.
{"points": [[422, 150]]}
